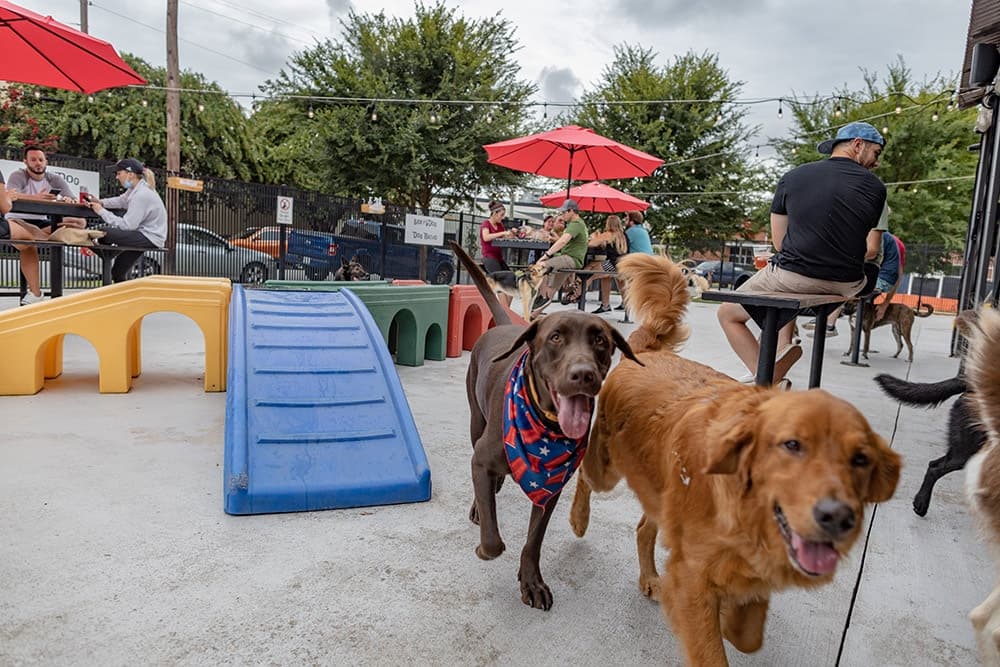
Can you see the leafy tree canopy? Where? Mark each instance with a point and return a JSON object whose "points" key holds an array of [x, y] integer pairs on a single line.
{"points": [[677, 133], [410, 153]]}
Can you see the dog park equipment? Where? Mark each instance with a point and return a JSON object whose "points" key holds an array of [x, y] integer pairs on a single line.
{"points": [[469, 317], [110, 319], [316, 417], [414, 317]]}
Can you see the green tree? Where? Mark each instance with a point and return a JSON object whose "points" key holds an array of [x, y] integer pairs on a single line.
{"points": [[408, 153], [926, 163], [132, 122], [682, 134]]}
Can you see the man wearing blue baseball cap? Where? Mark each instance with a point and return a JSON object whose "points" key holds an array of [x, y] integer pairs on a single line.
{"points": [[825, 223]]}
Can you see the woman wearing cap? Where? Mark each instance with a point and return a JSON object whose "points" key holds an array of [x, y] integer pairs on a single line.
{"points": [[491, 230], [144, 224]]}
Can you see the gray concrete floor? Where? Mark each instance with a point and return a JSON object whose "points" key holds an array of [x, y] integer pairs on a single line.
{"points": [[115, 549]]}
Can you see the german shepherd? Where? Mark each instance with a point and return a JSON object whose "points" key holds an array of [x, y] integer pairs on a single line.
{"points": [[522, 284], [351, 269], [897, 315]]}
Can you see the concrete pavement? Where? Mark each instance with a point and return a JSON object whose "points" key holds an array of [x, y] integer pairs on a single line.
{"points": [[116, 550]]}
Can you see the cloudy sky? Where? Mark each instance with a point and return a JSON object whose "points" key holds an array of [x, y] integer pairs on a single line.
{"points": [[776, 47]]}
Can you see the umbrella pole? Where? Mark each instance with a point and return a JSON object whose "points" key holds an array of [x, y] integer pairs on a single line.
{"points": [[569, 173]]}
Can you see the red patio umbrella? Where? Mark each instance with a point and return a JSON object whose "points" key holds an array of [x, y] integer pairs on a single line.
{"points": [[39, 50], [596, 197], [573, 152]]}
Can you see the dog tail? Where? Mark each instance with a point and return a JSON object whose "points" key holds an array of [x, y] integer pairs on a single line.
{"points": [[656, 291], [500, 315], [984, 372], [920, 394], [928, 310]]}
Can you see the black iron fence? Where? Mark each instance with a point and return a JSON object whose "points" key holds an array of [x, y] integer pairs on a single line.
{"points": [[228, 228]]}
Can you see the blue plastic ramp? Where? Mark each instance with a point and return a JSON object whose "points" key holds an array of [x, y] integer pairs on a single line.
{"points": [[316, 417]]}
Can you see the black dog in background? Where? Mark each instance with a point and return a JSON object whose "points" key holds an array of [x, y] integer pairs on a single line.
{"points": [[965, 436]]}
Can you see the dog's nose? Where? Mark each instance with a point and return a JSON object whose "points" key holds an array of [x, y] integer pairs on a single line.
{"points": [[833, 516], [583, 375]]}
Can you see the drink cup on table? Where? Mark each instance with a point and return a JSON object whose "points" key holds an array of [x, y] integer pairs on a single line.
{"points": [[84, 195]]}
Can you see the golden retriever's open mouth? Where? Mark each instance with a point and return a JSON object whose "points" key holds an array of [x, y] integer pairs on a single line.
{"points": [[573, 412], [814, 559]]}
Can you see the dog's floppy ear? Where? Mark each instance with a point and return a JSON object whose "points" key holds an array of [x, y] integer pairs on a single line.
{"points": [[885, 475], [526, 335], [727, 439], [623, 345]]}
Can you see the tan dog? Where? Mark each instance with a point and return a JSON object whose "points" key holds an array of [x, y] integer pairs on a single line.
{"points": [[983, 471], [522, 284], [754, 489], [73, 236], [899, 316], [696, 284]]}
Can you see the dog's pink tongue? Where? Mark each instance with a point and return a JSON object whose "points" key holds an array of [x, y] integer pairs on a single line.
{"points": [[574, 414], [817, 557]]}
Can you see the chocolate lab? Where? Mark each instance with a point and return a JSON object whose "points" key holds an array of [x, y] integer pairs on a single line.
{"points": [[531, 395], [898, 315]]}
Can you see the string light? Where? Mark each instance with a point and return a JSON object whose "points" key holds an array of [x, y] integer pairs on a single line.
{"points": [[934, 116], [311, 112], [839, 111], [433, 117], [145, 103], [201, 107], [545, 111], [374, 114], [780, 112]]}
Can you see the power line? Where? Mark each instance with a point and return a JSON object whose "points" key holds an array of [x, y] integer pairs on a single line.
{"points": [[246, 23], [267, 17], [186, 41]]}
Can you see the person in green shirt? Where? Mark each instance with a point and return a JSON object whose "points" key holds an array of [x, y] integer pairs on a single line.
{"points": [[568, 252]]}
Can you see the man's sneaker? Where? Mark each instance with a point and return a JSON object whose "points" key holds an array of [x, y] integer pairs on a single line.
{"points": [[785, 359], [30, 298]]}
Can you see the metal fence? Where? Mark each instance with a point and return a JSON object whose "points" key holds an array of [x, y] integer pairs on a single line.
{"points": [[229, 229]]}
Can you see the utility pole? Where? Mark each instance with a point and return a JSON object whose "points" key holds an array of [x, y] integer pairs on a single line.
{"points": [[173, 130], [83, 16]]}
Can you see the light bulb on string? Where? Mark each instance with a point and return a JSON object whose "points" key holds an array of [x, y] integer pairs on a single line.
{"points": [[434, 118], [374, 114], [545, 111], [723, 164], [311, 114], [692, 169], [781, 114], [662, 116], [949, 186], [795, 150], [839, 111], [489, 117], [899, 109], [90, 99], [201, 107], [935, 116], [885, 129], [145, 103]]}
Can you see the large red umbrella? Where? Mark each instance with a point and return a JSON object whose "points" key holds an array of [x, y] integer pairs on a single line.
{"points": [[39, 50], [597, 197], [572, 152]]}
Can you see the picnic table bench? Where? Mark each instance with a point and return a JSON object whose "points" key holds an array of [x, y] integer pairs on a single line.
{"points": [[584, 275], [773, 310], [106, 253]]}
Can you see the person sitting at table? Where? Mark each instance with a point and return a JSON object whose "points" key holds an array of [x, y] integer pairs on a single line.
{"points": [[611, 243], [491, 230], [568, 252], [17, 229], [825, 223], [35, 179], [144, 224]]}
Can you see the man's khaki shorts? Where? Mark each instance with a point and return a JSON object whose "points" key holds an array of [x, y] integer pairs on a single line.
{"points": [[556, 280], [773, 278]]}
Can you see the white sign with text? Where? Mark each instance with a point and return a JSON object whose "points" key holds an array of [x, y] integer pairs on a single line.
{"points": [[285, 207], [424, 230], [74, 177]]}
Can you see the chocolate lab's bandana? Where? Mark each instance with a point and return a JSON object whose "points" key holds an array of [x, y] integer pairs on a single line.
{"points": [[541, 458]]}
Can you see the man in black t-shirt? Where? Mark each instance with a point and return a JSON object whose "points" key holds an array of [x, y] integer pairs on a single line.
{"points": [[823, 224]]}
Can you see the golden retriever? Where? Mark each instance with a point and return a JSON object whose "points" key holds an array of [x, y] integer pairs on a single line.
{"points": [[754, 489], [983, 471]]}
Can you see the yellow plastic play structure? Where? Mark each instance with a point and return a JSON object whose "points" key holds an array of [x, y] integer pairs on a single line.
{"points": [[110, 318]]}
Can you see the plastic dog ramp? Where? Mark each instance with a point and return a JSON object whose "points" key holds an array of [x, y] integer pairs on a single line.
{"points": [[316, 417]]}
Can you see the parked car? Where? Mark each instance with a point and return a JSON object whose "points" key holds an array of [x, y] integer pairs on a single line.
{"points": [[726, 274], [199, 252], [321, 253], [264, 239]]}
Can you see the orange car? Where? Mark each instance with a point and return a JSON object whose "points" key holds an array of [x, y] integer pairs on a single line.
{"points": [[264, 239]]}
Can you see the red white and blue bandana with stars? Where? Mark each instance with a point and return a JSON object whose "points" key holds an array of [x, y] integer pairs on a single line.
{"points": [[541, 458]]}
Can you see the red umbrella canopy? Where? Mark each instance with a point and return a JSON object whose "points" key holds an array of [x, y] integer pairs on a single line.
{"points": [[39, 50], [598, 197], [572, 152]]}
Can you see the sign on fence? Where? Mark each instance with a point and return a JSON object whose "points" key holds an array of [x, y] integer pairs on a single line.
{"points": [[285, 205], [424, 230]]}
